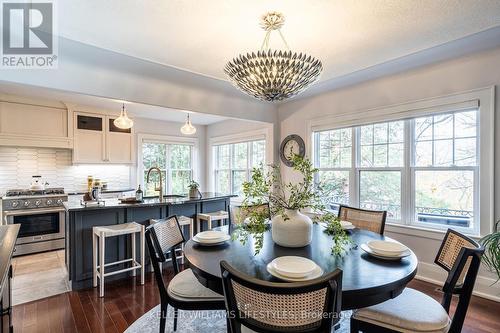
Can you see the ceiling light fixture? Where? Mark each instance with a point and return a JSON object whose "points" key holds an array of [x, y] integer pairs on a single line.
{"points": [[273, 75], [123, 121], [188, 128]]}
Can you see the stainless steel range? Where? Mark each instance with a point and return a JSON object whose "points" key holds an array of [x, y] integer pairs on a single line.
{"points": [[41, 216]]}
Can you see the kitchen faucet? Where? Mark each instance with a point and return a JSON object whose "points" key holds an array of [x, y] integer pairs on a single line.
{"points": [[160, 187]]}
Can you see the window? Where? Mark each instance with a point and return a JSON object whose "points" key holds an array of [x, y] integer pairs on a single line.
{"points": [[234, 163], [175, 162], [381, 161], [422, 171], [334, 159], [445, 168]]}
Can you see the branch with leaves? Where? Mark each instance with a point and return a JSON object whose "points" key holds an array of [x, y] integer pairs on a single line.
{"points": [[267, 187]]}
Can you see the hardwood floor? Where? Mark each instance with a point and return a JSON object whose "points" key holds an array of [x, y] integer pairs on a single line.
{"points": [[126, 301]]}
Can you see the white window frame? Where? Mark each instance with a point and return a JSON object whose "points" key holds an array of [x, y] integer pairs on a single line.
{"points": [[358, 169], [232, 168], [482, 99], [167, 140], [265, 134], [475, 169]]}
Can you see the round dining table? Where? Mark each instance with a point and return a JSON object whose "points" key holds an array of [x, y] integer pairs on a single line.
{"points": [[366, 280]]}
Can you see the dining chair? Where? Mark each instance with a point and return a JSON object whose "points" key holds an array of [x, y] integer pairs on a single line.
{"points": [[413, 311], [184, 291], [242, 213], [260, 306], [372, 220]]}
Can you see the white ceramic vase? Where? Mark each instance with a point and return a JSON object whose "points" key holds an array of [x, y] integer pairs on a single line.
{"points": [[296, 231]]}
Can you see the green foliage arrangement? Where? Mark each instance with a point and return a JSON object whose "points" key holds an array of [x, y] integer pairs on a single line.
{"points": [[193, 185], [266, 187], [491, 256]]}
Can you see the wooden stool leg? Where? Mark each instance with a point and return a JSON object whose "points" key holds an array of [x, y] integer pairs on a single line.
{"points": [[94, 260], [191, 229], [101, 264], [198, 223], [209, 222], [134, 272], [182, 253], [142, 254]]}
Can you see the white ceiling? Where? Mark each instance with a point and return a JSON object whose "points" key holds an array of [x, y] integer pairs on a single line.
{"points": [[133, 109], [201, 36]]}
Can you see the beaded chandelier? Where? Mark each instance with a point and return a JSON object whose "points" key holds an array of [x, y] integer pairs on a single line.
{"points": [[273, 75]]}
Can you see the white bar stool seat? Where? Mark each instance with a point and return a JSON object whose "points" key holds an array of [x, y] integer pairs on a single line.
{"points": [[210, 217], [99, 235]]}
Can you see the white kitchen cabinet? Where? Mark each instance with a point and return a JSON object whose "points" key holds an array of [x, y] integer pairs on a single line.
{"points": [[119, 143], [96, 140], [25, 124]]}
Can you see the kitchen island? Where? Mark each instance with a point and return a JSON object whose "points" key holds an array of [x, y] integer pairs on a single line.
{"points": [[81, 219]]}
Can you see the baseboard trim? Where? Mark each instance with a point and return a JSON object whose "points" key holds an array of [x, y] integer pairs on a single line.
{"points": [[484, 288]]}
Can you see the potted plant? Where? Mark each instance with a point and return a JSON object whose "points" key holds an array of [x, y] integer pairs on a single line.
{"points": [[290, 227], [194, 191], [491, 256]]}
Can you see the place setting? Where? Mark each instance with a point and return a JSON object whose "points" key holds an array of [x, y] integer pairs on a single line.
{"points": [[386, 250], [294, 269], [211, 238]]}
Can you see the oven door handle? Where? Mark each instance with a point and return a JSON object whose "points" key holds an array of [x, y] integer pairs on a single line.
{"points": [[8, 213]]}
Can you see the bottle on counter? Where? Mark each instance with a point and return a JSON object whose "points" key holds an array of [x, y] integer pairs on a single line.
{"points": [[90, 183], [139, 194]]}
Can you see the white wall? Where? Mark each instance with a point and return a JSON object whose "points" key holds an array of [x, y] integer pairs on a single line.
{"points": [[462, 74]]}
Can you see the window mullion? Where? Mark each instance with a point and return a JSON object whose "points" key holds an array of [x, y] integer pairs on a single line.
{"points": [[249, 159], [407, 189], [354, 175], [168, 170]]}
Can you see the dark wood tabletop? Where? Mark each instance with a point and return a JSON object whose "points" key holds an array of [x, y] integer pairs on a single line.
{"points": [[366, 280]]}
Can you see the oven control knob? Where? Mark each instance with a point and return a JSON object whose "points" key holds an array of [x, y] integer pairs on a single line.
{"points": [[59, 201], [15, 204], [38, 202], [26, 203], [49, 202]]}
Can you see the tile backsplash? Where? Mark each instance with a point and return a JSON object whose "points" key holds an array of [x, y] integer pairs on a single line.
{"points": [[17, 165]]}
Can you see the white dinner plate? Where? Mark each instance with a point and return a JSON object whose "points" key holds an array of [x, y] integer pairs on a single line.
{"points": [[365, 248], [346, 225], [316, 273], [210, 235], [293, 266], [211, 242], [387, 248]]}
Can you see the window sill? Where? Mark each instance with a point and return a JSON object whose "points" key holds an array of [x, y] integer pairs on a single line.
{"points": [[409, 230], [420, 232]]}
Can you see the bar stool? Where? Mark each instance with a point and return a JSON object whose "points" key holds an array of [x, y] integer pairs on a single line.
{"points": [[210, 217], [183, 221], [99, 235]]}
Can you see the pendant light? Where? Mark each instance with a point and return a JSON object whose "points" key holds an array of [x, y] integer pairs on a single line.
{"points": [[123, 121], [188, 128], [270, 74]]}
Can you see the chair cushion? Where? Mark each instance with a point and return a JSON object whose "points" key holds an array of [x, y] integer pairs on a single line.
{"points": [[186, 287], [245, 329], [412, 311]]}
